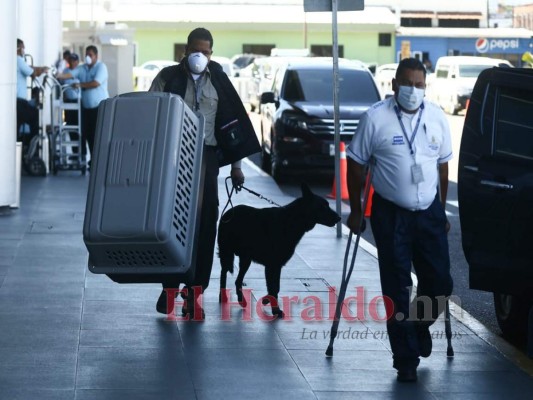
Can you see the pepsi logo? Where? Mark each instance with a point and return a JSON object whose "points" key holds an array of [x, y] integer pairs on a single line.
{"points": [[482, 45]]}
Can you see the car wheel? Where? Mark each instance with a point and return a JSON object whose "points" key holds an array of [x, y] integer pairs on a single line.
{"points": [[36, 167], [512, 315]]}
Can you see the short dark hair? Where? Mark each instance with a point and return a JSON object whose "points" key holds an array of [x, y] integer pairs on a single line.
{"points": [[200, 34], [66, 54], [19, 43], [74, 57], [410, 63], [91, 48]]}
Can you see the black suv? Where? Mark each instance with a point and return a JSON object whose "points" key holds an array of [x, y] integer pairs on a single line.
{"points": [[495, 191], [297, 122]]}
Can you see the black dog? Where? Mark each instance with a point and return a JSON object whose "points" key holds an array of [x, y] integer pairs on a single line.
{"points": [[268, 236]]}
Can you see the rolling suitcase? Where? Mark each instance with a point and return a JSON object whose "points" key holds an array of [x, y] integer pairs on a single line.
{"points": [[145, 190]]}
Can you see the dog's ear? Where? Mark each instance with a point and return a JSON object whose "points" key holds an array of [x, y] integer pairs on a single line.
{"points": [[306, 191]]}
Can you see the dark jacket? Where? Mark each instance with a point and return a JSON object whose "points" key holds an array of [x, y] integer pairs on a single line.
{"points": [[234, 132]]}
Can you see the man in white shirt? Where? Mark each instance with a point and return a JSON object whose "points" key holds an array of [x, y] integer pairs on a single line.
{"points": [[406, 141]]}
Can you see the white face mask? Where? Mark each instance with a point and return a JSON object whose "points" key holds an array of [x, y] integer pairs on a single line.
{"points": [[410, 97], [197, 62], [88, 60]]}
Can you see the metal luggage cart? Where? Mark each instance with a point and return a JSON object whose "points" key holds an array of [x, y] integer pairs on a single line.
{"points": [[66, 141]]}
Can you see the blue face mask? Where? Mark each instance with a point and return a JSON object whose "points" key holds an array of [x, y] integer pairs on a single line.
{"points": [[410, 97]]}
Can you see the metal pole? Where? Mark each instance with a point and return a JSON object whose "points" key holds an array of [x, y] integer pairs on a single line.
{"points": [[336, 140], [305, 30]]}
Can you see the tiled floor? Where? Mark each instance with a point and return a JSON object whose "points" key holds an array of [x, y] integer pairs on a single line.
{"points": [[69, 334]]}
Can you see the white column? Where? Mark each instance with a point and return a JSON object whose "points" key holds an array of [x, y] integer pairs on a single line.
{"points": [[8, 95], [53, 31], [31, 28], [40, 27]]}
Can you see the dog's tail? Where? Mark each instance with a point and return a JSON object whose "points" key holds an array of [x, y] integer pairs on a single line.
{"points": [[226, 259]]}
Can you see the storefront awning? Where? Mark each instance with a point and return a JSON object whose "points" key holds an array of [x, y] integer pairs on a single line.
{"points": [[458, 15], [418, 14]]}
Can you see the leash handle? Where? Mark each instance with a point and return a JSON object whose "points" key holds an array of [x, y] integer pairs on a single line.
{"points": [[229, 193]]}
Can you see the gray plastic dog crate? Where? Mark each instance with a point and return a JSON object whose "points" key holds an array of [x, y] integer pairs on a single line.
{"points": [[145, 189]]}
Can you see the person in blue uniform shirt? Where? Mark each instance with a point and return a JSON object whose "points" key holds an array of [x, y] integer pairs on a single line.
{"points": [[27, 112], [93, 77]]}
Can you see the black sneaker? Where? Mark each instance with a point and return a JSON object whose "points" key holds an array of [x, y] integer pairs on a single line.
{"points": [[163, 305], [407, 375], [425, 344]]}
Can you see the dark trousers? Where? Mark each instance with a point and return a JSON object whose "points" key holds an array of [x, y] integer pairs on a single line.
{"points": [[27, 114], [411, 238], [208, 225], [208, 220], [88, 128]]}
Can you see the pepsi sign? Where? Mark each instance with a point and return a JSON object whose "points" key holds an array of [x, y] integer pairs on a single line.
{"points": [[484, 45]]}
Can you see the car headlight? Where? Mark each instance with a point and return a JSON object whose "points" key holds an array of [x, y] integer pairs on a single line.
{"points": [[294, 121]]}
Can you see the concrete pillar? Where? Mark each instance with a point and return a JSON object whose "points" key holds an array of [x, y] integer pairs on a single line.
{"points": [[8, 95], [40, 27], [38, 23], [53, 31]]}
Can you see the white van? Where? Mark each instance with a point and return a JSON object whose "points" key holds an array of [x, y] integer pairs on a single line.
{"points": [[454, 78]]}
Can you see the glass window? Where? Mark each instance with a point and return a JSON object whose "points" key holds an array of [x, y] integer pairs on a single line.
{"points": [[384, 39], [471, 71], [514, 125], [317, 85], [442, 72]]}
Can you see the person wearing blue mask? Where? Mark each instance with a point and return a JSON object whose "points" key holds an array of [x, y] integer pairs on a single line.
{"points": [[406, 141], [229, 136]]}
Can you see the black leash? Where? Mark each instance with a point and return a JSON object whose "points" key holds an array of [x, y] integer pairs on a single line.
{"points": [[237, 189]]}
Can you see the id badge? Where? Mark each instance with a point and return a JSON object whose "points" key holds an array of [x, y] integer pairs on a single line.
{"points": [[416, 173]]}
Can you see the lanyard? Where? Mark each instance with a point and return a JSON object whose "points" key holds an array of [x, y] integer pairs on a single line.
{"points": [[410, 142], [197, 92]]}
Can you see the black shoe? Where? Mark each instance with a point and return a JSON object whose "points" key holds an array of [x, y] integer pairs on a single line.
{"points": [[425, 344], [191, 308], [162, 305], [407, 375]]}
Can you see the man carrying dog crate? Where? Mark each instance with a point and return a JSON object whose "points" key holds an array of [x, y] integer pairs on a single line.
{"points": [[228, 137], [409, 139]]}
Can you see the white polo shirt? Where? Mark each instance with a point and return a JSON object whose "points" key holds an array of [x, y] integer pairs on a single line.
{"points": [[380, 136]]}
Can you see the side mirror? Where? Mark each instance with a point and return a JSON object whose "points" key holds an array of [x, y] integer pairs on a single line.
{"points": [[267, 97]]}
